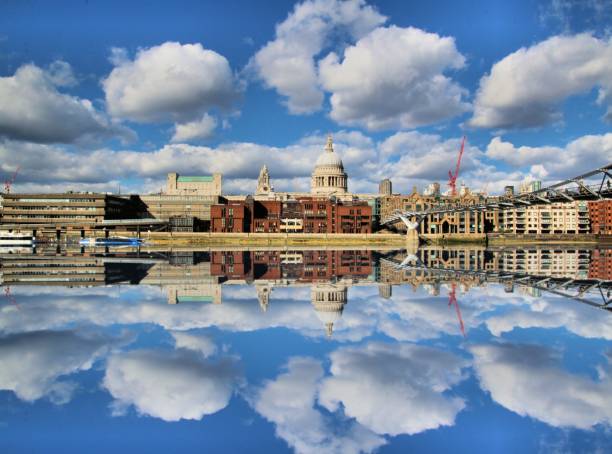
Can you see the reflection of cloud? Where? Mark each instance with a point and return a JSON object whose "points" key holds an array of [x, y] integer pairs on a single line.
{"points": [[394, 388], [289, 402], [32, 363], [169, 385], [553, 312], [408, 316], [531, 380], [195, 342]]}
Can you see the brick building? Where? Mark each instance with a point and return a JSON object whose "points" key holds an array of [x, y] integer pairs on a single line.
{"points": [[301, 215], [600, 216], [600, 265], [300, 266], [230, 217]]}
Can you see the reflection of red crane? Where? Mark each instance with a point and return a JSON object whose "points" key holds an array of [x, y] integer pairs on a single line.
{"points": [[8, 183], [10, 297], [452, 178], [452, 300]]}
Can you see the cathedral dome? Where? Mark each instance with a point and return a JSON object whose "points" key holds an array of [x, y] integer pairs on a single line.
{"points": [[329, 177], [329, 159]]}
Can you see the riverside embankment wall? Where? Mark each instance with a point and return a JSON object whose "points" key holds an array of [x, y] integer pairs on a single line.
{"points": [[273, 239]]}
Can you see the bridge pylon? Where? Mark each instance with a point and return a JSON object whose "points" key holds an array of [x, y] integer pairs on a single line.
{"points": [[412, 240]]}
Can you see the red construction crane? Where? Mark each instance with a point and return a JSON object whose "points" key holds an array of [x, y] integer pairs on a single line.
{"points": [[452, 300], [452, 178], [8, 183]]}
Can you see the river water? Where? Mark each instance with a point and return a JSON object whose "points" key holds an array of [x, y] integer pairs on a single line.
{"points": [[445, 350]]}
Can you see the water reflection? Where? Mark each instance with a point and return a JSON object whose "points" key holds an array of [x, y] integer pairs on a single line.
{"points": [[329, 351]]}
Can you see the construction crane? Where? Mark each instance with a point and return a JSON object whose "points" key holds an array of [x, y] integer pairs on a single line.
{"points": [[8, 183], [452, 301], [452, 177]]}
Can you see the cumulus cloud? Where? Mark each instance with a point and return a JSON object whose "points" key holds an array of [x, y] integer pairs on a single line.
{"points": [[519, 377], [394, 78], [36, 364], [551, 162], [287, 63], [169, 385], [289, 402], [548, 312], [170, 82], [34, 110], [194, 130], [239, 162], [195, 342], [394, 388], [527, 87]]}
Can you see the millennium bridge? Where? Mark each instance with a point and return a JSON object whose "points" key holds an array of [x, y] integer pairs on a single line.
{"points": [[593, 185]]}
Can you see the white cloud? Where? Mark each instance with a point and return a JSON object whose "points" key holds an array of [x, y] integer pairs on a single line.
{"points": [[394, 78], [239, 162], [287, 63], [194, 130], [36, 364], [548, 312], [554, 163], [34, 110], [394, 388], [170, 82], [531, 380], [289, 402], [527, 87], [169, 385], [195, 342]]}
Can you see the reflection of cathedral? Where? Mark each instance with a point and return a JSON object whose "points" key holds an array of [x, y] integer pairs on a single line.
{"points": [[329, 301]]}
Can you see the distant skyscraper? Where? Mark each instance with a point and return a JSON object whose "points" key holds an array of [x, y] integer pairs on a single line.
{"points": [[385, 187]]}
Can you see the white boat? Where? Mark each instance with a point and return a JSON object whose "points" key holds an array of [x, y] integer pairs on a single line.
{"points": [[10, 238]]}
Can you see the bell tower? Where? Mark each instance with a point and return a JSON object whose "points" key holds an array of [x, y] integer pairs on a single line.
{"points": [[263, 182]]}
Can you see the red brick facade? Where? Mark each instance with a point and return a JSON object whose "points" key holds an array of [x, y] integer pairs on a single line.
{"points": [[303, 266], [600, 216], [304, 215], [600, 266]]}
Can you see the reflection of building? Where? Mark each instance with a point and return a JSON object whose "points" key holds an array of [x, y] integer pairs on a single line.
{"points": [[600, 266], [186, 277], [299, 266], [68, 271], [547, 262], [385, 291], [329, 301], [329, 177]]}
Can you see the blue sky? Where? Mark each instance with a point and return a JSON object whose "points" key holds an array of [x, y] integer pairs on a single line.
{"points": [[97, 95]]}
